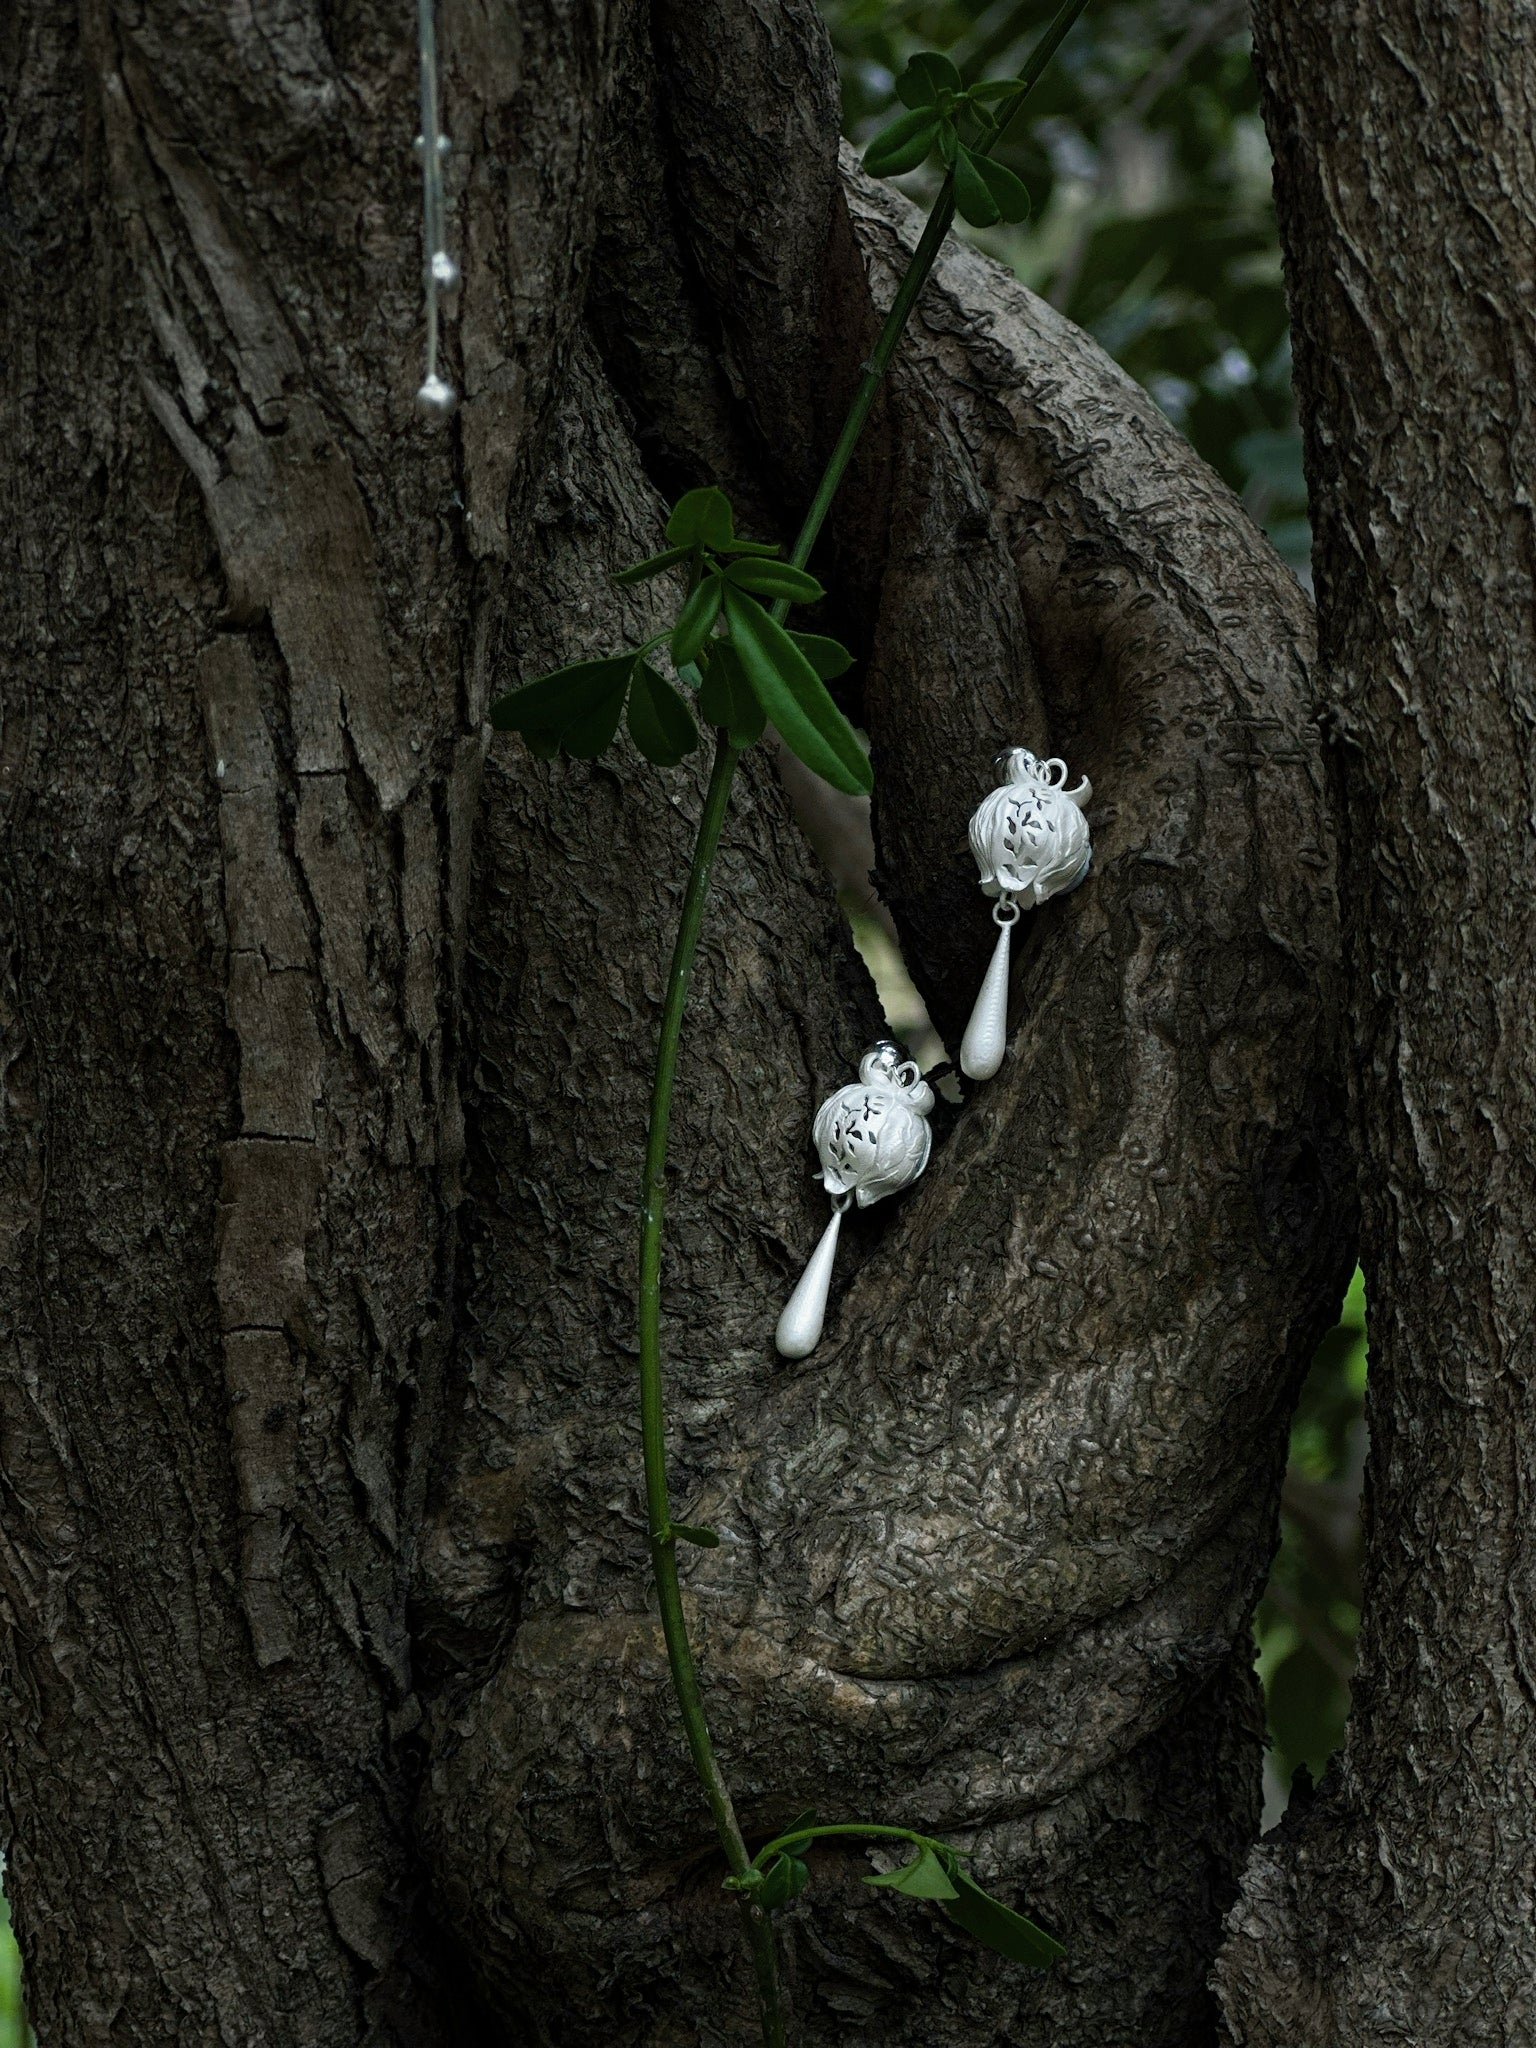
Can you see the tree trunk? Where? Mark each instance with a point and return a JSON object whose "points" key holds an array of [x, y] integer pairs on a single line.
{"points": [[334, 1697], [1398, 1906]]}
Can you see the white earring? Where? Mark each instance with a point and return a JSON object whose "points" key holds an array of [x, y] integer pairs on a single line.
{"points": [[1031, 842], [873, 1140]]}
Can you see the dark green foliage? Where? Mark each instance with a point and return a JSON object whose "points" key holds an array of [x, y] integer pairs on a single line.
{"points": [[794, 697], [933, 1873], [785, 1878], [902, 146], [1009, 195], [653, 565], [1308, 1618], [593, 732], [725, 697], [579, 708], [945, 115], [928, 76], [696, 620], [829, 658], [702, 519], [1144, 156], [660, 723], [774, 579], [990, 1921], [754, 671], [14, 2031], [923, 1878], [552, 703]]}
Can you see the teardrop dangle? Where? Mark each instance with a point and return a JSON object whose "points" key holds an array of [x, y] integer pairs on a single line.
{"points": [[986, 1035], [799, 1328], [872, 1138], [1031, 842]]}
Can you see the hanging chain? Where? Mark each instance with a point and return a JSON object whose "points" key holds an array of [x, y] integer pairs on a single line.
{"points": [[440, 274]]}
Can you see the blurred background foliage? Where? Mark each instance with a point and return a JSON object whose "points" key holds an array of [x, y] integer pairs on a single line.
{"points": [[14, 2031], [1310, 1614], [1154, 228]]}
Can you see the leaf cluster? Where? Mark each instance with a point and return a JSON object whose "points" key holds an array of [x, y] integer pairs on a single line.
{"points": [[955, 122], [746, 667]]}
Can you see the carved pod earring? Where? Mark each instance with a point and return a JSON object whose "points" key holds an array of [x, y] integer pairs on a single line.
{"points": [[1031, 842], [873, 1140]]}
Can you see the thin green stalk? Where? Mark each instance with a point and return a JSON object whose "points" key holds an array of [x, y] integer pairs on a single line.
{"points": [[663, 1542], [658, 1503], [923, 256]]}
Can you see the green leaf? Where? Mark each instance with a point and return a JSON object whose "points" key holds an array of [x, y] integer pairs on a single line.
{"points": [[926, 76], [829, 658], [794, 1843], [696, 619], [715, 702], [725, 697], [999, 1927], [748, 547], [702, 519], [973, 196], [785, 1878], [792, 694], [653, 565], [997, 89], [903, 145], [545, 745], [593, 733], [775, 579], [691, 1532], [551, 703], [662, 727], [1010, 193], [923, 1878], [949, 143]]}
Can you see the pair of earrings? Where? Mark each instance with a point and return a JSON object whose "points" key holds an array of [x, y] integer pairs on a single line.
{"points": [[1031, 842]]}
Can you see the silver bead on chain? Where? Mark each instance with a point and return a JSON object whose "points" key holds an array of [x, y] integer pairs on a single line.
{"points": [[1031, 842], [872, 1138], [440, 274]]}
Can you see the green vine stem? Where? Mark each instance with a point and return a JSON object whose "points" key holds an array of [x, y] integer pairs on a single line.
{"points": [[935, 229], [663, 1539], [863, 1829]]}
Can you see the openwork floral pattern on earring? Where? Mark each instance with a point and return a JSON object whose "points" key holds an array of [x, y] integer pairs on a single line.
{"points": [[872, 1138], [1031, 842]]}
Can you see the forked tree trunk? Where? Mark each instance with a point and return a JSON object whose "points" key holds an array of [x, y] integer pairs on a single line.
{"points": [[333, 1700]]}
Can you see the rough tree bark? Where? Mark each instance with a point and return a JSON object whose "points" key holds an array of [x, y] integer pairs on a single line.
{"points": [[1401, 1905], [332, 1697]]}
